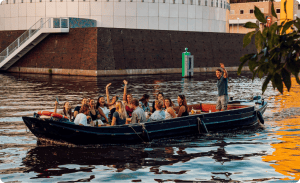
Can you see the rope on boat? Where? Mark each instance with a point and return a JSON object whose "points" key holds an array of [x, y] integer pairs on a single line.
{"points": [[136, 133], [203, 125], [145, 130]]}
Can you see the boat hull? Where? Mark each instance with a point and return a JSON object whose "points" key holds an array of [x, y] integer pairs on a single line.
{"points": [[145, 132]]}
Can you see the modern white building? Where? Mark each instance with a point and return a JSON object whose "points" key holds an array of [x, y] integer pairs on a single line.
{"points": [[179, 15]]}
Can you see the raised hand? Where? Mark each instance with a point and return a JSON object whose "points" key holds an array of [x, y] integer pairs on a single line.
{"points": [[56, 103], [108, 85], [222, 66], [125, 82]]}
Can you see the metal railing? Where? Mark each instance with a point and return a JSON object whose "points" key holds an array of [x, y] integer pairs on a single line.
{"points": [[41, 23]]}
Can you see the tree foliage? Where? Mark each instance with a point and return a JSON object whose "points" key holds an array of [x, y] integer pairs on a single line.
{"points": [[278, 51]]}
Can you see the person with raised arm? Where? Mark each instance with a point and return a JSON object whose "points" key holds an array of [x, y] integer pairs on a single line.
{"points": [[126, 99], [66, 111], [222, 84], [183, 109]]}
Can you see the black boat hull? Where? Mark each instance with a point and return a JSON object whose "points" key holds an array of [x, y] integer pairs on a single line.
{"points": [[145, 132]]}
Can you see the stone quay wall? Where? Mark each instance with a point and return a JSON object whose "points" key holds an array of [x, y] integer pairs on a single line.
{"points": [[112, 51]]}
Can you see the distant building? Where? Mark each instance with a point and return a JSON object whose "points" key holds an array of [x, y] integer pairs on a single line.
{"points": [[240, 13], [177, 15]]}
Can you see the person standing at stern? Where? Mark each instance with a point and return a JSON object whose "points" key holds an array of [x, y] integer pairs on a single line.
{"points": [[222, 85]]}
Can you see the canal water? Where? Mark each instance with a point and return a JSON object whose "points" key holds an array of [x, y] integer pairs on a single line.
{"points": [[260, 155]]}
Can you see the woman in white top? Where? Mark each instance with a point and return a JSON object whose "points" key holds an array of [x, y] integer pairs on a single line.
{"points": [[67, 110], [170, 112]]}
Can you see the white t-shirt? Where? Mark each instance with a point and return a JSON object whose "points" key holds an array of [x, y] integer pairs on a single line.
{"points": [[105, 111], [81, 119]]}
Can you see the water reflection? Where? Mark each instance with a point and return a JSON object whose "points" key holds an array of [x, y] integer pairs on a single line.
{"points": [[285, 159]]}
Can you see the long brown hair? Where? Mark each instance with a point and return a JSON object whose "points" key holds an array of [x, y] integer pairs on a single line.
{"points": [[144, 98], [171, 103], [183, 101], [67, 112]]}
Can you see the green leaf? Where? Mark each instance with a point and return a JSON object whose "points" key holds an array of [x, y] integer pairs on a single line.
{"points": [[250, 25], [252, 64], [273, 10], [265, 32], [247, 38], [244, 59], [265, 84], [286, 77], [259, 15], [278, 82], [286, 26], [259, 39]]}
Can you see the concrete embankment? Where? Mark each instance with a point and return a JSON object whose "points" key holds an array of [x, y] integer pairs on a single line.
{"points": [[111, 51]]}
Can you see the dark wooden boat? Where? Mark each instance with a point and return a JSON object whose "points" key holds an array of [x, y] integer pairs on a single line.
{"points": [[240, 114]]}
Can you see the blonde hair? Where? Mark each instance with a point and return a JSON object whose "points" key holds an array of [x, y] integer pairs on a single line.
{"points": [[120, 108]]}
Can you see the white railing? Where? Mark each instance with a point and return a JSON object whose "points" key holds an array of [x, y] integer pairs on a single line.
{"points": [[42, 23]]}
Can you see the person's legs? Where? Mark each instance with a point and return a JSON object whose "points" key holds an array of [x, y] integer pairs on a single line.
{"points": [[224, 102], [219, 104]]}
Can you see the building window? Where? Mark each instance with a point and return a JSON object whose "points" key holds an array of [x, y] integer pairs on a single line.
{"points": [[173, 1], [182, 1], [6, 1], [119, 0], [164, 1], [30, 1], [278, 10], [199, 2], [251, 11], [14, 1], [221, 4], [217, 3], [61, 0], [205, 2], [22, 1], [241, 11], [262, 10], [191, 1], [131, 0], [224, 4], [153, 1], [142, 1], [212, 3]]}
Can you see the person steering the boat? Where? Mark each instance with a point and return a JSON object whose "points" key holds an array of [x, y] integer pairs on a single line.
{"points": [[222, 85], [81, 118]]}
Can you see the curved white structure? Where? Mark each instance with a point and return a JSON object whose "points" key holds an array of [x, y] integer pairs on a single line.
{"points": [[180, 15]]}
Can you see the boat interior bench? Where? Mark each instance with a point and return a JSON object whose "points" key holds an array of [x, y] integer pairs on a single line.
{"points": [[212, 107]]}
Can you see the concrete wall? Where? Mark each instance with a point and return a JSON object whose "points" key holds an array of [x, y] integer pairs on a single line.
{"points": [[182, 15], [111, 51]]}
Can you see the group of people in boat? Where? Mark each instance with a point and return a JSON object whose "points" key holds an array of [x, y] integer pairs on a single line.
{"points": [[131, 110], [127, 111]]}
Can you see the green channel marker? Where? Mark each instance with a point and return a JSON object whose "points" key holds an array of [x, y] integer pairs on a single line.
{"points": [[183, 60]]}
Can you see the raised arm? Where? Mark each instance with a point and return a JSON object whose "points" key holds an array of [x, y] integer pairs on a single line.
{"points": [[107, 93], [55, 108], [224, 70], [125, 90]]}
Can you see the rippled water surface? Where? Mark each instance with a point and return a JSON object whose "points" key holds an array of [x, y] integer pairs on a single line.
{"points": [[269, 154]]}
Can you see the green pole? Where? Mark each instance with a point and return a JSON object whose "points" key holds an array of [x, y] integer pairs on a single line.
{"points": [[183, 60]]}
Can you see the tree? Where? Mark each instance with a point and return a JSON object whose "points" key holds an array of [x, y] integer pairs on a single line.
{"points": [[278, 49]]}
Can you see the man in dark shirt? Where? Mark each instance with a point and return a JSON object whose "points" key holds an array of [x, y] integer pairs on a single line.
{"points": [[222, 85]]}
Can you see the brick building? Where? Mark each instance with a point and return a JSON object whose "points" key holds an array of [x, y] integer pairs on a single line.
{"points": [[240, 13]]}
